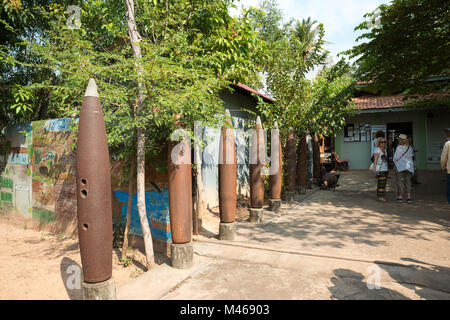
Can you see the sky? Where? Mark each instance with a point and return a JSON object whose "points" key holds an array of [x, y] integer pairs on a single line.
{"points": [[339, 18]]}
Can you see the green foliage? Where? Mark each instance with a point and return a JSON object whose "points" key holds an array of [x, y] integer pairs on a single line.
{"points": [[62, 236], [126, 261], [191, 50], [408, 47], [330, 100], [296, 48]]}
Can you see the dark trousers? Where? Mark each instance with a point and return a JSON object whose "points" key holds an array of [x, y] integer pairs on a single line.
{"points": [[448, 188]]}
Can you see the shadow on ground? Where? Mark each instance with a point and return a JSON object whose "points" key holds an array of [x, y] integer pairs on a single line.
{"points": [[333, 218], [350, 285], [71, 276], [430, 283]]}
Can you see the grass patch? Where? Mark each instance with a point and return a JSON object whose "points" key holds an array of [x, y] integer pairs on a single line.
{"points": [[43, 215]]}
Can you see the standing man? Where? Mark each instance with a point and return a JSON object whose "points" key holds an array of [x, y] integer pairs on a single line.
{"points": [[445, 161]]}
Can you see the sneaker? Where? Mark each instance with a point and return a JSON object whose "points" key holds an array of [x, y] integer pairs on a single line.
{"points": [[409, 200], [399, 200], [382, 199]]}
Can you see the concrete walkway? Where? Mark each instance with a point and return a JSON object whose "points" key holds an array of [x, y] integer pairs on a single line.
{"points": [[331, 245]]}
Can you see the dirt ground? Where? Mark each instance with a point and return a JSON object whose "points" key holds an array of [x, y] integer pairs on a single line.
{"points": [[39, 265]]}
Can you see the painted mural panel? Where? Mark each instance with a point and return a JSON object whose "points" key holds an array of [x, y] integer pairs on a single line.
{"points": [[157, 208], [15, 170], [53, 167]]}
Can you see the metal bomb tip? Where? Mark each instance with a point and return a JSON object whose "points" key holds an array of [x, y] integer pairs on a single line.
{"points": [[258, 121], [275, 125], [227, 112], [91, 89]]}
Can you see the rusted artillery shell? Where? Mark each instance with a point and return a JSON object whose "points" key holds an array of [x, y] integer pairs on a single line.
{"points": [[227, 175], [291, 161], [180, 192], [275, 179], [257, 153], [302, 161], [316, 158], [94, 210]]}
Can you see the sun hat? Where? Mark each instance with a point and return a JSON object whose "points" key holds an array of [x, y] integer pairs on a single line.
{"points": [[402, 136]]}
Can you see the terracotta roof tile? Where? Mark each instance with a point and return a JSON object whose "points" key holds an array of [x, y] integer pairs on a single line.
{"points": [[248, 89], [388, 102]]}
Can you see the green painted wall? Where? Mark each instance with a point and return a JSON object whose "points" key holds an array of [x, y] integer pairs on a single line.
{"points": [[358, 153]]}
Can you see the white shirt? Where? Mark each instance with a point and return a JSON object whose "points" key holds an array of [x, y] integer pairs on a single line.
{"points": [[403, 158], [380, 163]]}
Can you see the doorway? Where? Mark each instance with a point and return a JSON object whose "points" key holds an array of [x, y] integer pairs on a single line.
{"points": [[393, 131]]}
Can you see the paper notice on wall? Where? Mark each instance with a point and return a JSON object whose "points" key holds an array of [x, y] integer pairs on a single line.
{"points": [[363, 136]]}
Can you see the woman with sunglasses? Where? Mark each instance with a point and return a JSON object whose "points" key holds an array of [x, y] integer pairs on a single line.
{"points": [[380, 167]]}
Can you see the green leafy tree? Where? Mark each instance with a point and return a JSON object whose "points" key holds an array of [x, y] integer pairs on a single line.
{"points": [[190, 51], [314, 107], [405, 46]]}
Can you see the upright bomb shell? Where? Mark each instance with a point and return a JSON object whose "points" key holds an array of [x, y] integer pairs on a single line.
{"points": [[291, 161], [257, 154], [275, 179], [227, 175], [180, 191], [94, 210]]}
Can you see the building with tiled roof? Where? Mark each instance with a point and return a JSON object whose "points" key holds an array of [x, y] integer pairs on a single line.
{"points": [[389, 102], [423, 119]]}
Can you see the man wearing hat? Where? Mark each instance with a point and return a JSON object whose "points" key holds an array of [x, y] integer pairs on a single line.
{"points": [[403, 160], [445, 161]]}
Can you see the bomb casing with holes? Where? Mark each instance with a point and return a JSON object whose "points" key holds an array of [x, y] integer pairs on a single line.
{"points": [[94, 210]]}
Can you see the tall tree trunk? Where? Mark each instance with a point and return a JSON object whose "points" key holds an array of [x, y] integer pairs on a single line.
{"points": [[131, 187], [135, 38], [302, 162], [316, 157]]}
